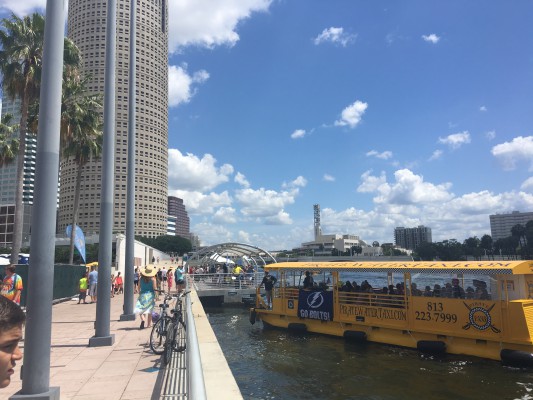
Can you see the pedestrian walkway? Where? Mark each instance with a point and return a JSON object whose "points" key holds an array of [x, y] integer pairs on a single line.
{"points": [[126, 370]]}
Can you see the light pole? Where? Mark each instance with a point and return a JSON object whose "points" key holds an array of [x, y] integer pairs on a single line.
{"points": [[37, 344]]}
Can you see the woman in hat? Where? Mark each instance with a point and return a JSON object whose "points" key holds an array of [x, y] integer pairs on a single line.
{"points": [[146, 301]]}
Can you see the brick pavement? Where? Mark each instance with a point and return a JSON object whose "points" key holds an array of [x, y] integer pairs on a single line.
{"points": [[127, 370]]}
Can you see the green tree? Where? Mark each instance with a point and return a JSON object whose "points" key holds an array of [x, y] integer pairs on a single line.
{"points": [[9, 145], [472, 247], [426, 251], [375, 243], [21, 43], [519, 232], [487, 245], [82, 132]]}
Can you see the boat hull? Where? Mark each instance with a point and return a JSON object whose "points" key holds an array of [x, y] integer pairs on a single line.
{"points": [[509, 353]]}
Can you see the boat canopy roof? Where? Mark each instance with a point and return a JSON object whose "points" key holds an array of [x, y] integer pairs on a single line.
{"points": [[451, 267]]}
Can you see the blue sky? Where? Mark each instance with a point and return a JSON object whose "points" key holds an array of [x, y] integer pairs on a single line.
{"points": [[385, 113]]}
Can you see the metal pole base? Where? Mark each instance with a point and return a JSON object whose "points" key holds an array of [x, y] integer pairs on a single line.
{"points": [[127, 317], [52, 394], [100, 341]]}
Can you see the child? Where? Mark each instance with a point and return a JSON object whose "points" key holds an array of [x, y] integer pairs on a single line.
{"points": [[83, 288], [11, 320]]}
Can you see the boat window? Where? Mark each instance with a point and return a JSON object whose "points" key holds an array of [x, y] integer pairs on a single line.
{"points": [[368, 282], [467, 286]]}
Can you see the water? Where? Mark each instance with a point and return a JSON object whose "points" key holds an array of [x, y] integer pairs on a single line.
{"points": [[276, 364]]}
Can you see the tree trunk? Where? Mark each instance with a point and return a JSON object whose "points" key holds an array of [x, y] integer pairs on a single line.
{"points": [[19, 206], [75, 215]]}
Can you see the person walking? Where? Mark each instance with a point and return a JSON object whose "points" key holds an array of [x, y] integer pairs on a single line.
{"points": [[11, 285], [136, 277], [83, 288], [119, 284], [93, 282], [146, 301], [180, 283], [170, 278]]}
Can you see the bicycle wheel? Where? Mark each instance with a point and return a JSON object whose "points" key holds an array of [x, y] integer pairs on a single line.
{"points": [[157, 337], [169, 343], [180, 338]]}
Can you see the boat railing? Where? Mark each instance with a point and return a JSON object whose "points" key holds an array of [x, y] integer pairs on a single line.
{"points": [[372, 299]]}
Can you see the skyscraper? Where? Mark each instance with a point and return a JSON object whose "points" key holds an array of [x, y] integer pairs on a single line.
{"points": [[411, 238], [176, 209], [502, 224], [8, 181], [86, 27]]}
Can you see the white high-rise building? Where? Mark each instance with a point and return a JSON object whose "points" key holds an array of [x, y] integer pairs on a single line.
{"points": [[87, 28]]}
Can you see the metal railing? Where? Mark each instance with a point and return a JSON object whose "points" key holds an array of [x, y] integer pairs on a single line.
{"points": [[225, 281], [195, 375]]}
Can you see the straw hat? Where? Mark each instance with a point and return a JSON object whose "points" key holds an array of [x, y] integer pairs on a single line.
{"points": [[149, 270]]}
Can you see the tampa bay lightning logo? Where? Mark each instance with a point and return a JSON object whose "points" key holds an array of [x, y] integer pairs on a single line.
{"points": [[315, 300]]}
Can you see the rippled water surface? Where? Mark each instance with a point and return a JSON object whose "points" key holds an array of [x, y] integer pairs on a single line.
{"points": [[276, 364]]}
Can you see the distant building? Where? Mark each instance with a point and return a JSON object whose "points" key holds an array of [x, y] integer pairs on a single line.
{"points": [[8, 181], [501, 224], [178, 216], [326, 244], [411, 238]]}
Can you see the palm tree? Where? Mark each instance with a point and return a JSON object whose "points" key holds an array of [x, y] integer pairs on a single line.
{"points": [[81, 127], [21, 43], [9, 145]]}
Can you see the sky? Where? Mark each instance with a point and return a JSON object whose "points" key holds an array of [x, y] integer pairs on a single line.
{"points": [[384, 113]]}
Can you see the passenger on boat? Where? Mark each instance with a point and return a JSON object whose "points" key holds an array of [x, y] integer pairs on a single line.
{"points": [[427, 292], [415, 291], [457, 291], [469, 292], [308, 281], [436, 290], [269, 281], [481, 294], [447, 290]]}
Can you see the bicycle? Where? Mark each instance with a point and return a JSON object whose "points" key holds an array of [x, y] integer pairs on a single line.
{"points": [[159, 330], [175, 330]]}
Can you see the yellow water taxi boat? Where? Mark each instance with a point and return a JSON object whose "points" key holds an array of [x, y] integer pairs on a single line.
{"points": [[482, 309]]}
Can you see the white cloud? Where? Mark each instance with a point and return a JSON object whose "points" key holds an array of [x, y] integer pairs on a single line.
{"points": [[407, 189], [490, 135], [22, 8], [181, 85], [510, 153], [436, 155], [265, 204], [202, 204], [298, 134], [336, 36], [225, 215], [190, 173], [456, 140], [328, 178], [300, 181], [527, 185], [241, 180], [431, 38], [208, 23], [483, 109], [384, 155], [351, 115]]}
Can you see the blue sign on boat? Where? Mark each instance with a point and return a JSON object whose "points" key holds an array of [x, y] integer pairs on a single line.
{"points": [[315, 305]]}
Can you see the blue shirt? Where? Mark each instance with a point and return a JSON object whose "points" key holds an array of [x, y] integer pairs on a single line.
{"points": [[93, 277], [179, 274]]}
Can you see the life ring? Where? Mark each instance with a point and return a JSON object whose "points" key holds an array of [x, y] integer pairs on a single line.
{"points": [[431, 346], [297, 327], [253, 316], [356, 336], [516, 358]]}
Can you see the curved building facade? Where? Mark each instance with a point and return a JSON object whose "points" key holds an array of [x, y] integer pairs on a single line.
{"points": [[87, 28]]}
